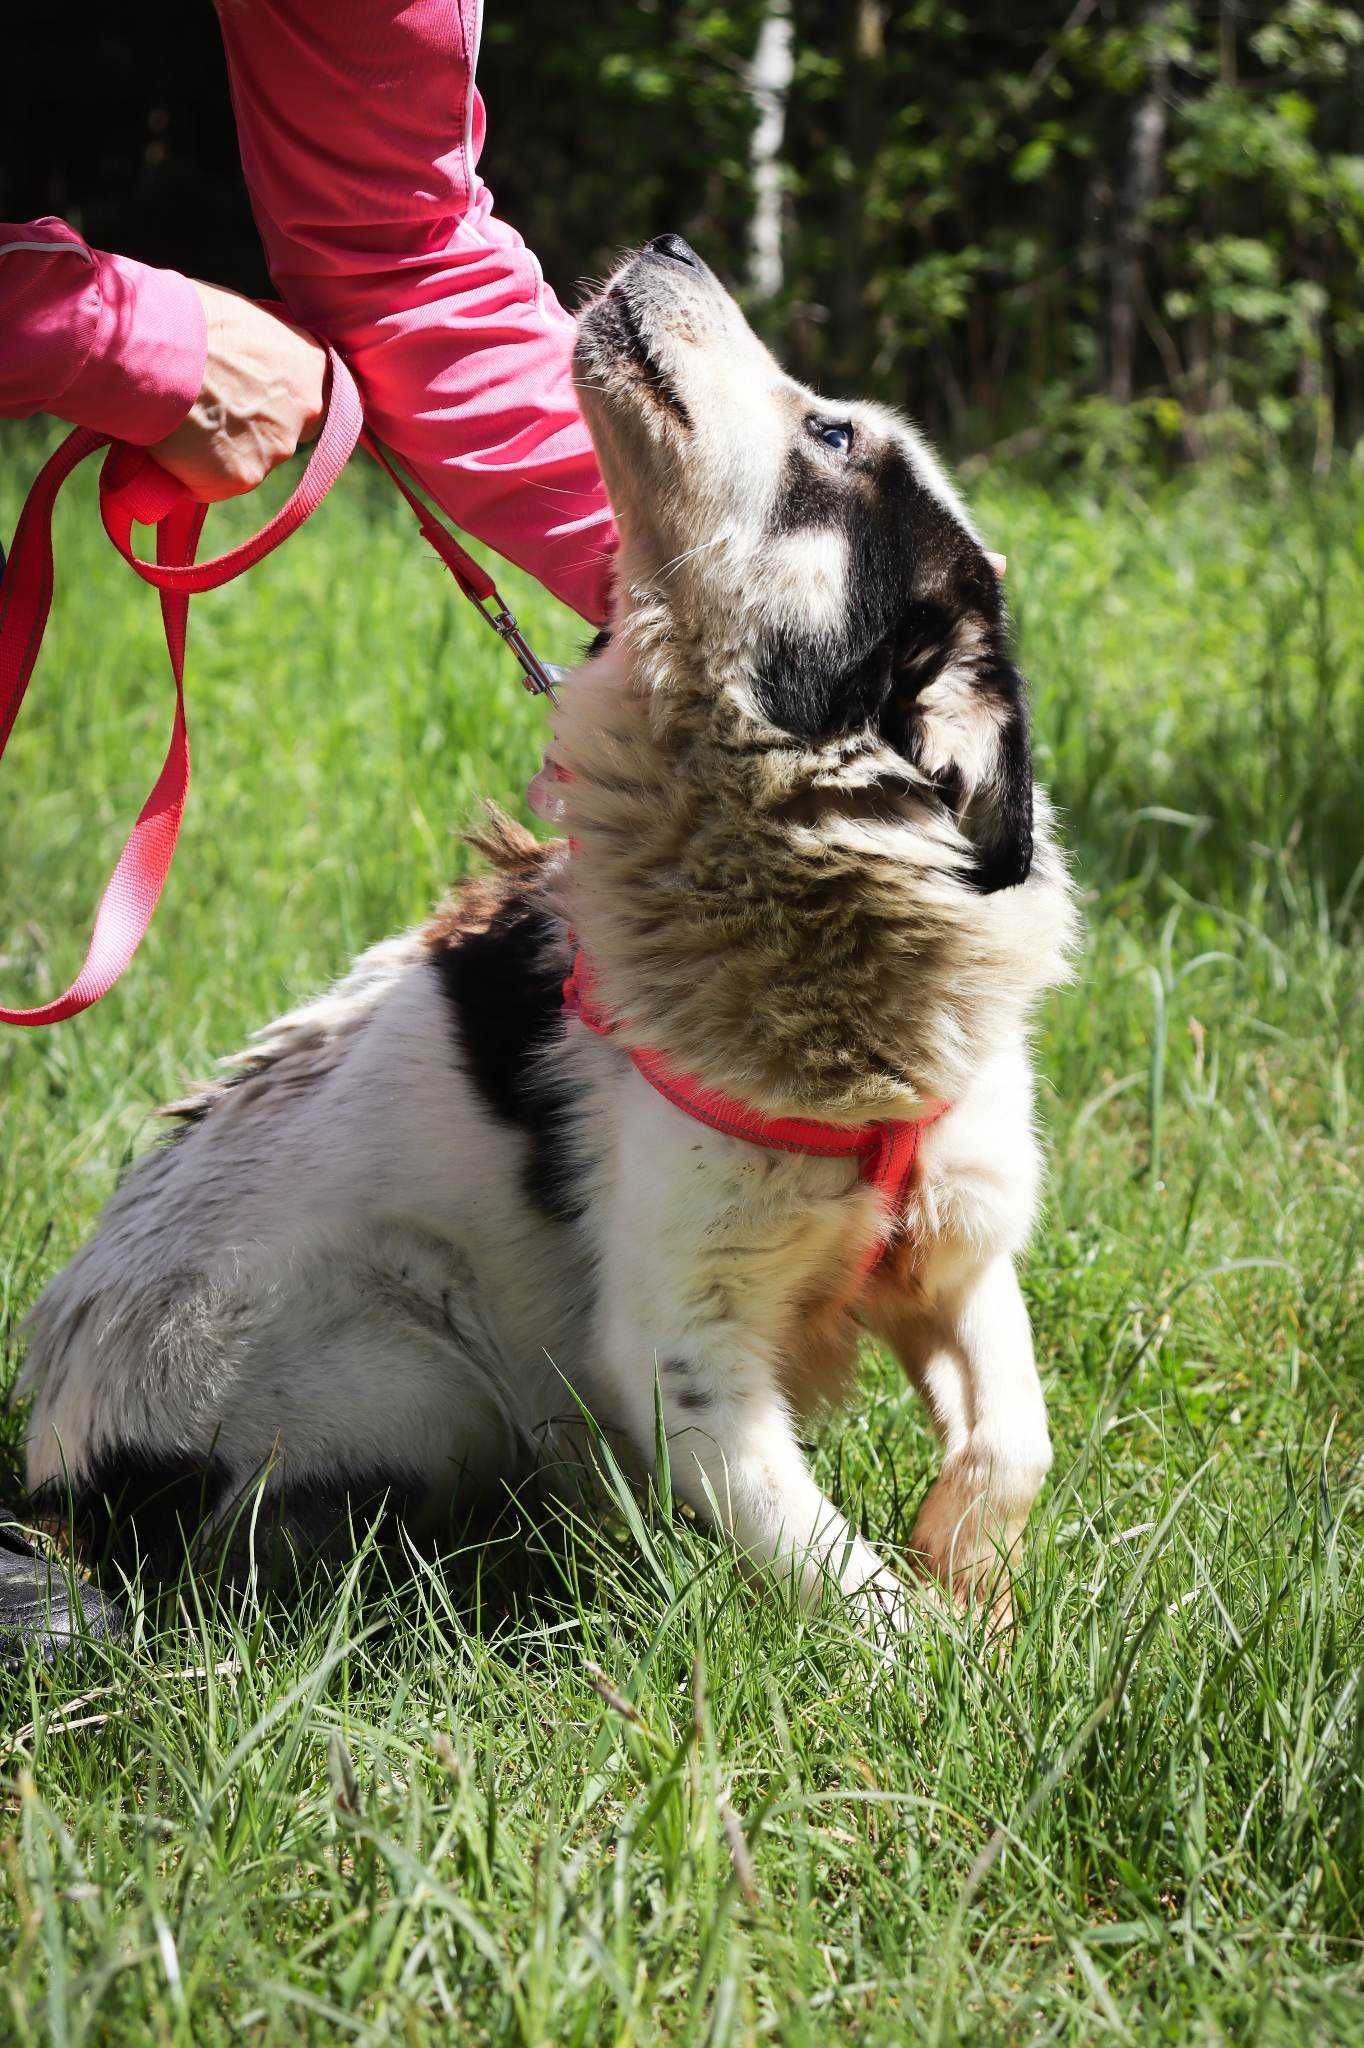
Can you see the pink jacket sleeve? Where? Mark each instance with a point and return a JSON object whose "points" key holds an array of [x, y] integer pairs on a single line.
{"points": [[96, 339], [360, 132]]}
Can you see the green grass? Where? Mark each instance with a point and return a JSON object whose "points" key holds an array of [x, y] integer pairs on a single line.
{"points": [[403, 1811]]}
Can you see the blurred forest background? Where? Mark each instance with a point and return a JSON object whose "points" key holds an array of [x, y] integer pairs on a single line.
{"points": [[1102, 230]]}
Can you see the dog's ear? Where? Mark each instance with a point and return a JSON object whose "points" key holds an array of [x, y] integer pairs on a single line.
{"points": [[959, 712], [998, 815]]}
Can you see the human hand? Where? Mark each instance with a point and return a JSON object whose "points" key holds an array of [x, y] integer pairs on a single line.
{"points": [[261, 398]]}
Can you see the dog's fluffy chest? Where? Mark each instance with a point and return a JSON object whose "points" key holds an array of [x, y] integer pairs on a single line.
{"points": [[790, 1245], [742, 1218]]}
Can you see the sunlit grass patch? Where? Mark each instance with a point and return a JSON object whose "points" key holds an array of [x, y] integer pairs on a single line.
{"points": [[575, 1782]]}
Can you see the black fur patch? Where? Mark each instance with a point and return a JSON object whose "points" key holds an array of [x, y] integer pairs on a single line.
{"points": [[812, 684], [1003, 833], [998, 820], [813, 493], [909, 563], [316, 1516], [807, 691], [135, 1505], [914, 577], [505, 989]]}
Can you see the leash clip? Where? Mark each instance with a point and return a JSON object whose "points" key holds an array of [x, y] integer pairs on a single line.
{"points": [[539, 677]]}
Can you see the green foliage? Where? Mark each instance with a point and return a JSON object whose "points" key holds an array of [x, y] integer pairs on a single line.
{"points": [[971, 223], [995, 215], [576, 1784]]}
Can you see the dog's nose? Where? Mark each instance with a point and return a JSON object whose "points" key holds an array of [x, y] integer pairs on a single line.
{"points": [[674, 246]]}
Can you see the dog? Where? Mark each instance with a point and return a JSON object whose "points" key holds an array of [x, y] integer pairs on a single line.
{"points": [[427, 1219]]}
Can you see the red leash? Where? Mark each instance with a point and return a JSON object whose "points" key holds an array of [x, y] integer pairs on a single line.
{"points": [[540, 677], [134, 488]]}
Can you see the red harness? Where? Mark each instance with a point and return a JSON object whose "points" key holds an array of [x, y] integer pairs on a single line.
{"points": [[887, 1152]]}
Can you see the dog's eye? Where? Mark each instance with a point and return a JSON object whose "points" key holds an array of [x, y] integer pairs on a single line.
{"points": [[835, 434]]}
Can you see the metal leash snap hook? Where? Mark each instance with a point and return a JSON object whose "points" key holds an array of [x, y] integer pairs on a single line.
{"points": [[540, 677]]}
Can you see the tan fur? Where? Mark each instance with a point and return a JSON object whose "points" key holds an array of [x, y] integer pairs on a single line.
{"points": [[793, 924]]}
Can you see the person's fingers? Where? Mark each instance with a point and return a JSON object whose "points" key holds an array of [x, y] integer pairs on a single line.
{"points": [[308, 378], [216, 458]]}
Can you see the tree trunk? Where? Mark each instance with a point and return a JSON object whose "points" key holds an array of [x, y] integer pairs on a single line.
{"points": [[1223, 334], [864, 62], [769, 81], [1139, 188]]}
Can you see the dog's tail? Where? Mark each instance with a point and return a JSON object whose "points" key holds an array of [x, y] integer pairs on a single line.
{"points": [[519, 861], [508, 847]]}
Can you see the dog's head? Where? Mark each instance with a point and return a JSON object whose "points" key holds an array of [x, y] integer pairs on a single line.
{"points": [[819, 537]]}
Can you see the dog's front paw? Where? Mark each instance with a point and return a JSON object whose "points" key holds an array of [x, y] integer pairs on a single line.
{"points": [[967, 1535], [883, 1605]]}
